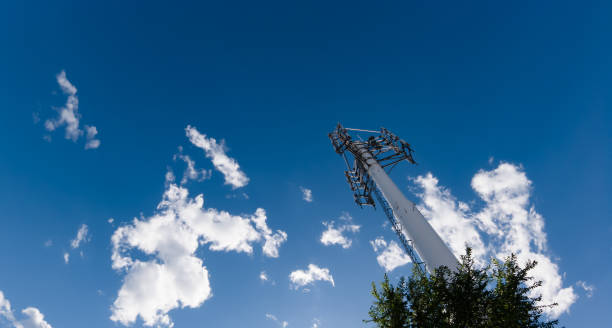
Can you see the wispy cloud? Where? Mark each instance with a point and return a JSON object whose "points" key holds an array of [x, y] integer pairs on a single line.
{"points": [[306, 194], [33, 318], [216, 152], [589, 289], [90, 136], [5, 308], [302, 278], [507, 223], [273, 241], [70, 117], [190, 173], [275, 319], [81, 237], [390, 255], [334, 235]]}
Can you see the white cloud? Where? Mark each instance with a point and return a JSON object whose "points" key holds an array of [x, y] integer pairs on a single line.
{"points": [[390, 255], [301, 278], [589, 289], [81, 237], [306, 194], [273, 241], [49, 243], [92, 142], [335, 235], [171, 275], [65, 85], [68, 114], [216, 152], [169, 177], [70, 117], [5, 308], [275, 319], [263, 276], [508, 221], [33, 317], [315, 323], [191, 173], [451, 219], [110, 220]]}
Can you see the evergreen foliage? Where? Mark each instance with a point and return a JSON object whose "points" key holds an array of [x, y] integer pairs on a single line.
{"points": [[469, 297], [389, 308]]}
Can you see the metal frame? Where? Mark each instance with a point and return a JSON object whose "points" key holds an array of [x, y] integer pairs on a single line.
{"points": [[388, 150]]}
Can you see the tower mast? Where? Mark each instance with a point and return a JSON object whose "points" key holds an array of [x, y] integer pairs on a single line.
{"points": [[366, 174]]}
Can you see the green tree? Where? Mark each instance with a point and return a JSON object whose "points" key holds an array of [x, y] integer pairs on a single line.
{"points": [[468, 297], [510, 304], [389, 308], [428, 297]]}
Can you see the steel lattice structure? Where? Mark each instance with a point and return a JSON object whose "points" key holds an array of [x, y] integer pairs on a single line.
{"points": [[366, 162]]}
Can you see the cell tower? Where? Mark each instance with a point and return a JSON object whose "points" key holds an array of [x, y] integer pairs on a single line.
{"points": [[366, 175]]}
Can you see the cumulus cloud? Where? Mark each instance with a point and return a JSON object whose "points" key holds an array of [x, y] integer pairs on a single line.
{"points": [[302, 278], [334, 235], [170, 275], [33, 318], [66, 257], [275, 319], [390, 255], [70, 117], [315, 323], [216, 153], [263, 276], [306, 194], [451, 219], [81, 237], [507, 223]]}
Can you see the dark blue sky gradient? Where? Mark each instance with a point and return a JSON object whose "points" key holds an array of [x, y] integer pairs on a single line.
{"points": [[527, 83]]}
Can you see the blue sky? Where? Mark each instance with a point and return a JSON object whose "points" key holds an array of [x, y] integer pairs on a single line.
{"points": [[505, 104]]}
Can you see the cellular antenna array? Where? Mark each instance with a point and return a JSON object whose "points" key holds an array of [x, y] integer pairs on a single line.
{"points": [[366, 161]]}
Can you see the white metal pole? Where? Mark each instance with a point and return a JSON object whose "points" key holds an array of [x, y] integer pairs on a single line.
{"points": [[426, 241]]}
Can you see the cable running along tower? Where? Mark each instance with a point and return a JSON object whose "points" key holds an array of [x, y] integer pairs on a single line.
{"points": [[366, 175]]}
